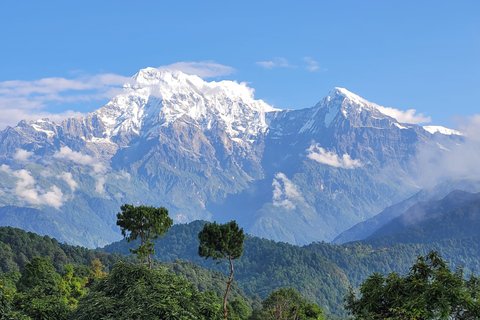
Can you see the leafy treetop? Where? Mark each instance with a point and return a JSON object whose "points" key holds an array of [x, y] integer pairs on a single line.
{"points": [[146, 223], [221, 241], [429, 291], [224, 241]]}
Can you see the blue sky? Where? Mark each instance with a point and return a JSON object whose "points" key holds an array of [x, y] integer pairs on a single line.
{"points": [[60, 58]]}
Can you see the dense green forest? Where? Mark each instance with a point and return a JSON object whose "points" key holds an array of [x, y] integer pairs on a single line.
{"points": [[321, 272], [264, 266], [316, 277], [43, 279]]}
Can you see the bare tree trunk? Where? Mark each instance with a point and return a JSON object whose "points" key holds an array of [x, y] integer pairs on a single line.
{"points": [[230, 281], [142, 242]]}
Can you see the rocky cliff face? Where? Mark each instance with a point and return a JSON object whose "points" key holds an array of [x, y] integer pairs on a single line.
{"points": [[209, 150]]}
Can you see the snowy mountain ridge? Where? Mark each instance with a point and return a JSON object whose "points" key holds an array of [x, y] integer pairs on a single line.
{"points": [[442, 130], [159, 97], [210, 150], [341, 101]]}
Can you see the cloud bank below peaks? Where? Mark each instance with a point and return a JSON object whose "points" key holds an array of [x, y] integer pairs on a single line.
{"points": [[26, 189], [99, 169], [451, 159], [285, 192], [317, 153]]}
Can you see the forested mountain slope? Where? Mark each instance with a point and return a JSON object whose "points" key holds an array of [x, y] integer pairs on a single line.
{"points": [[18, 247], [264, 266], [320, 271], [455, 216], [367, 228]]}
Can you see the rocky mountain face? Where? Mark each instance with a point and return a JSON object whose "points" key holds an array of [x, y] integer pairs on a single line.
{"points": [[209, 150]]}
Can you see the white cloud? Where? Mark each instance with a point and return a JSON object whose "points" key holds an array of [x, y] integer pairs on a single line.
{"points": [[53, 198], [123, 175], [68, 178], [312, 65], [28, 100], [99, 168], [285, 192], [471, 127], [99, 184], [46, 173], [317, 153], [451, 159], [266, 64], [27, 190], [22, 155], [275, 63], [79, 158], [408, 116], [54, 86], [203, 69]]}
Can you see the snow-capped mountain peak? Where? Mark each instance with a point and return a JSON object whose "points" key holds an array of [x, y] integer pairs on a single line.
{"points": [[342, 102], [159, 97], [347, 95]]}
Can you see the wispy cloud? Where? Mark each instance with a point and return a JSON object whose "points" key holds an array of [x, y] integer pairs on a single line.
{"points": [[312, 65], [285, 192], [317, 153], [29, 100], [457, 158], [278, 62], [52, 87], [409, 116], [68, 178], [203, 69], [79, 158], [99, 168]]}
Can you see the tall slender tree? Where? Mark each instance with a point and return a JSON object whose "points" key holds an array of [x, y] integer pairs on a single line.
{"points": [[224, 241], [144, 222]]}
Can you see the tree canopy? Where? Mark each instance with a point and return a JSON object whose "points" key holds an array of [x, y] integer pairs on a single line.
{"points": [[429, 291], [144, 222], [224, 241], [288, 304], [135, 292]]}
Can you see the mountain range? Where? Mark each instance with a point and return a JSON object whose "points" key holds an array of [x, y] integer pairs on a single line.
{"points": [[209, 150]]}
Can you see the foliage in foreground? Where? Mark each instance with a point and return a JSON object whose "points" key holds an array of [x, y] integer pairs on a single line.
{"points": [[39, 292], [135, 292], [429, 291], [264, 266], [288, 304]]}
